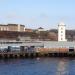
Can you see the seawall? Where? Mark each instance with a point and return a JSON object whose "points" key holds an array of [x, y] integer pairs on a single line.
{"points": [[41, 53]]}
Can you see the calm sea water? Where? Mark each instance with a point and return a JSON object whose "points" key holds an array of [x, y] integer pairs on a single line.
{"points": [[38, 66]]}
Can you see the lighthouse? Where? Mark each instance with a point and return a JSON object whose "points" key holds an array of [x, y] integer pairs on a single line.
{"points": [[61, 32]]}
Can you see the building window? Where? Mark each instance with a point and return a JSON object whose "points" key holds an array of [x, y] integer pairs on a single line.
{"points": [[61, 38], [61, 31], [1, 29], [4, 28], [7, 29]]}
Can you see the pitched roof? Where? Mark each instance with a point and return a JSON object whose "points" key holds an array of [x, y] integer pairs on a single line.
{"points": [[40, 28]]}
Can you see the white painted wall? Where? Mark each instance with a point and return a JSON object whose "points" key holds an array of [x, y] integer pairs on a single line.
{"points": [[61, 32], [18, 27]]}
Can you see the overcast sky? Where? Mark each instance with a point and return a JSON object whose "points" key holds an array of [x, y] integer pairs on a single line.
{"points": [[38, 13]]}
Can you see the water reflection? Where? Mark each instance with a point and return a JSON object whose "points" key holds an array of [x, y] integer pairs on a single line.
{"points": [[62, 68], [38, 66]]}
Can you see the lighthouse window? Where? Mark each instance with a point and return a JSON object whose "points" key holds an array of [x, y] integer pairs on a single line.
{"points": [[61, 31], [61, 38]]}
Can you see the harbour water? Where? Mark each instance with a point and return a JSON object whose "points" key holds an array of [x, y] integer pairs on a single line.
{"points": [[38, 66]]}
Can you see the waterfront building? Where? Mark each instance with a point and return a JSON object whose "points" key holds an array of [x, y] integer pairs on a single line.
{"points": [[61, 32], [28, 30], [12, 27]]}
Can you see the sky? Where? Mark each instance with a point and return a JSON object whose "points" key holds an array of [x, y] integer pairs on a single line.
{"points": [[38, 13]]}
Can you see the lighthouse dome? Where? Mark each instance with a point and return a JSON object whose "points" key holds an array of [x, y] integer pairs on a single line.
{"points": [[61, 23]]}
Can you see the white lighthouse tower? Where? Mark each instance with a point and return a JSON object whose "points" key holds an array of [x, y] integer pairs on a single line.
{"points": [[61, 32]]}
